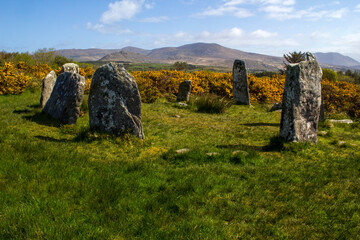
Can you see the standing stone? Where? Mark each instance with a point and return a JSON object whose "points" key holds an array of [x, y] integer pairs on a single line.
{"points": [[66, 98], [47, 87], [70, 67], [184, 91], [301, 102], [114, 101], [240, 83]]}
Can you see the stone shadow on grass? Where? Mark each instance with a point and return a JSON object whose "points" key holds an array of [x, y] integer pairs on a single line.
{"points": [[43, 119], [25, 111], [261, 124], [240, 146], [50, 139], [276, 145]]}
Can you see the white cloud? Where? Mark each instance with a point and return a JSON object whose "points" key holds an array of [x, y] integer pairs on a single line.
{"points": [[121, 10], [263, 34], [155, 19], [108, 29]]}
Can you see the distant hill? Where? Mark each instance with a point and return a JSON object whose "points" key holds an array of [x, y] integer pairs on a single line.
{"points": [[336, 59], [206, 54], [126, 56], [83, 55], [211, 54]]}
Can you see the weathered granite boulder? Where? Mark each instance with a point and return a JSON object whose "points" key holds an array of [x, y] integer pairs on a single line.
{"points": [[114, 101], [301, 102], [47, 87], [66, 98], [184, 91], [70, 67], [240, 83]]}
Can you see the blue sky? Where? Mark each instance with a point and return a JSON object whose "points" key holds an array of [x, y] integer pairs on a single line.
{"points": [[269, 27]]}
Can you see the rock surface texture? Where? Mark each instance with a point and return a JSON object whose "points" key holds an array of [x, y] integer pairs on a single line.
{"points": [[47, 88], [184, 91], [70, 67], [66, 98], [240, 83], [301, 102], [114, 101]]}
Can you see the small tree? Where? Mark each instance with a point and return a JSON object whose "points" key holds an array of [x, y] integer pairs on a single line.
{"points": [[295, 57], [329, 75], [180, 66], [44, 56], [61, 60]]}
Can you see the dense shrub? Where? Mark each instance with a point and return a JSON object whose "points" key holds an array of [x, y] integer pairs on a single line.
{"points": [[329, 75], [341, 97], [266, 89], [12, 80]]}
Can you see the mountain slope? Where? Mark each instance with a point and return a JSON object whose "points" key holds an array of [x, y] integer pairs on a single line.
{"points": [[215, 55], [336, 59], [83, 55], [207, 54], [127, 56]]}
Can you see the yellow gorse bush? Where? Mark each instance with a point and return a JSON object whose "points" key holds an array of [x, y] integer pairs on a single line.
{"points": [[341, 97], [337, 96], [154, 84], [12, 80]]}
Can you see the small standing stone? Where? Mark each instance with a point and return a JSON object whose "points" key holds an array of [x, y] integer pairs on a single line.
{"points": [[70, 67], [240, 83], [114, 101], [66, 98], [276, 106], [182, 151], [47, 88], [184, 91], [301, 102]]}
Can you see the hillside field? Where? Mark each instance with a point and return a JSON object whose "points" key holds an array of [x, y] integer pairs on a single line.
{"points": [[66, 182]]}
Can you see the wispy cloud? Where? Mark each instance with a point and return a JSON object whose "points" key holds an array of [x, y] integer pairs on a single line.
{"points": [[108, 29], [234, 37], [312, 14], [357, 8], [154, 19], [225, 10], [274, 9], [319, 35]]}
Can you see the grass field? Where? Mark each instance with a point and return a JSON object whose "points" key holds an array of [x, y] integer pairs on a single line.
{"points": [[65, 182]]}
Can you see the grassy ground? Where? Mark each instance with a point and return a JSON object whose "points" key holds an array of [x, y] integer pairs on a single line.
{"points": [[63, 182]]}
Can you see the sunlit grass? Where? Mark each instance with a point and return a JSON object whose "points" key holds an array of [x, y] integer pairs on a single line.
{"points": [[66, 182]]}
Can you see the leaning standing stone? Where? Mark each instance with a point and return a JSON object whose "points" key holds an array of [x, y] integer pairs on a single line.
{"points": [[114, 101], [47, 87], [70, 67], [66, 98], [301, 102], [184, 91], [240, 83]]}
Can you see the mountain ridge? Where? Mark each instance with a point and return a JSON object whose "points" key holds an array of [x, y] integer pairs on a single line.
{"points": [[208, 54]]}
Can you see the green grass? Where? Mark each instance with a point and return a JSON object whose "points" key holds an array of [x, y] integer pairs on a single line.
{"points": [[65, 182]]}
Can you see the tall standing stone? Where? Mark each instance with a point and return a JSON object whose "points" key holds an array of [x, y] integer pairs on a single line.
{"points": [[114, 101], [70, 67], [240, 83], [47, 87], [66, 98], [301, 102], [184, 91]]}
